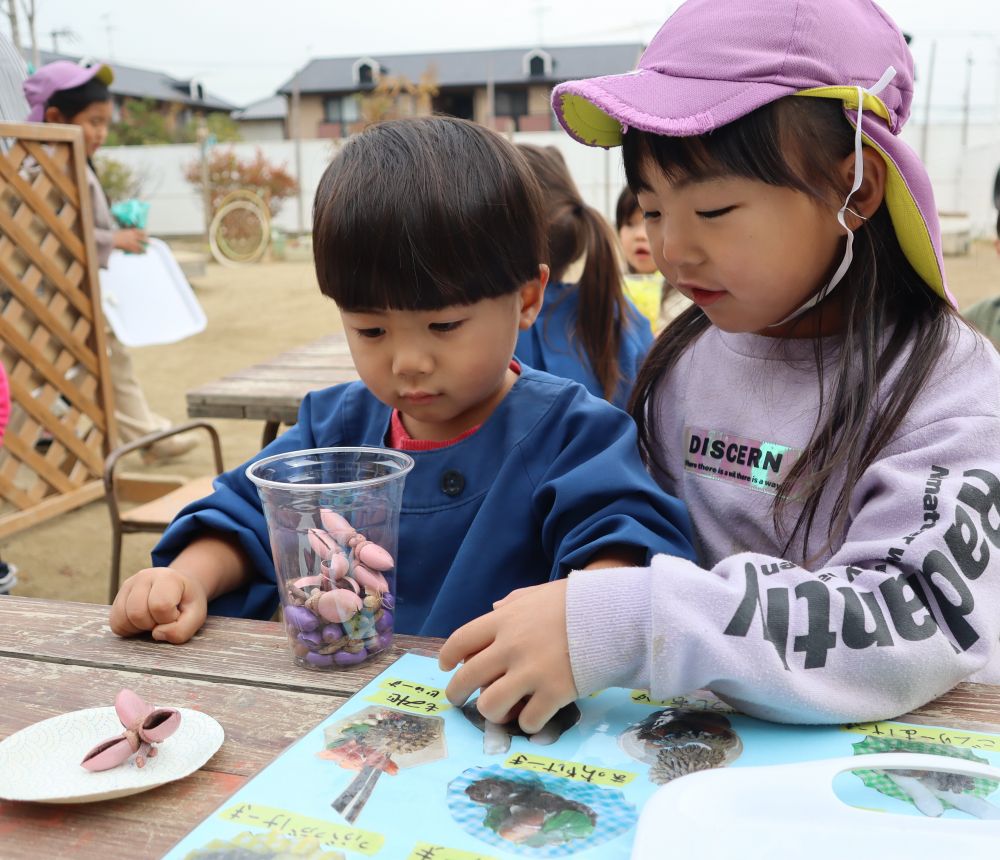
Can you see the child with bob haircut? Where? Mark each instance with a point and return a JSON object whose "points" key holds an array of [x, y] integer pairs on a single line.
{"points": [[830, 421], [588, 329], [428, 234]]}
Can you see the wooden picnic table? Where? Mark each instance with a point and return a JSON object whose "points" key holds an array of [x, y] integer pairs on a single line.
{"points": [[272, 390], [57, 657]]}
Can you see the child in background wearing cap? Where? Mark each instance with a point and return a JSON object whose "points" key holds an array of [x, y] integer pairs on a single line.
{"points": [[641, 274], [588, 330], [519, 476], [831, 422], [64, 92]]}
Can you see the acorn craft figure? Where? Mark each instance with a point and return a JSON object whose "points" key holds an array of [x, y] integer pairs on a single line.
{"points": [[144, 726], [342, 614]]}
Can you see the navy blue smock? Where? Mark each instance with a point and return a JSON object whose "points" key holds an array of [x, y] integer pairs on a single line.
{"points": [[550, 478], [551, 344]]}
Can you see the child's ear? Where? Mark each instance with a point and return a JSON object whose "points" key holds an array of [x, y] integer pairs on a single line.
{"points": [[532, 293], [53, 114], [866, 200]]}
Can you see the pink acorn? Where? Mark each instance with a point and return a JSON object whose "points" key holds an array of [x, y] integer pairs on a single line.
{"points": [[371, 580], [373, 556], [322, 543], [336, 525], [339, 605], [336, 566]]}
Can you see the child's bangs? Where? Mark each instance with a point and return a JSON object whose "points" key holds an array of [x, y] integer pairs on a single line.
{"points": [[407, 256], [425, 214], [750, 147]]}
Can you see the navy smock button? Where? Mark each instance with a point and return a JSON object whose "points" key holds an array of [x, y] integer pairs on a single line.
{"points": [[452, 482]]}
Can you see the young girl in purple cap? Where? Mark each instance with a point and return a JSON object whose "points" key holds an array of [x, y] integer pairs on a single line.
{"points": [[831, 422], [72, 94]]}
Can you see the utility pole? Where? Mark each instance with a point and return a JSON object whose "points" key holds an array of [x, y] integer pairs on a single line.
{"points": [[30, 11], [540, 10], [15, 27], [109, 29], [966, 102], [927, 103], [491, 118], [296, 117], [204, 143], [56, 34]]}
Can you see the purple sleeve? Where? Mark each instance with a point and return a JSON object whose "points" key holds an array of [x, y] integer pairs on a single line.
{"points": [[906, 607]]}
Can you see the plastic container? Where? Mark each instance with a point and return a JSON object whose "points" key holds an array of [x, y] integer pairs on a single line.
{"points": [[333, 520]]}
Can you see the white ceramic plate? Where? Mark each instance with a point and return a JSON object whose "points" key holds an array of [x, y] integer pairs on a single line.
{"points": [[42, 762]]}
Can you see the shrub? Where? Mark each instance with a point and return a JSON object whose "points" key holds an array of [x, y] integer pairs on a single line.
{"points": [[228, 172], [119, 181]]}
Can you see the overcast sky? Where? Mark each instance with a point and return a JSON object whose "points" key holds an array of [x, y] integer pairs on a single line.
{"points": [[243, 50]]}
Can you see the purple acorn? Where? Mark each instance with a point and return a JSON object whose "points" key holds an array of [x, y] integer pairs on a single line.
{"points": [[300, 618]]}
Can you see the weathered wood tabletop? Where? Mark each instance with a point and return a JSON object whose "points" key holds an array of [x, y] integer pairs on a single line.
{"points": [[272, 391], [57, 657]]}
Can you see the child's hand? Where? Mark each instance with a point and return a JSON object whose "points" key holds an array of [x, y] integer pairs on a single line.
{"points": [[131, 239], [171, 604], [518, 651]]}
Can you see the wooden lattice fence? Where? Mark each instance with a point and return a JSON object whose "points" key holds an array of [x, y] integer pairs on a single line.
{"points": [[52, 341]]}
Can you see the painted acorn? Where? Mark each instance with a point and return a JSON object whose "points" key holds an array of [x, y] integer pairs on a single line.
{"points": [[338, 527], [369, 579], [322, 543], [335, 566], [338, 605], [373, 556]]}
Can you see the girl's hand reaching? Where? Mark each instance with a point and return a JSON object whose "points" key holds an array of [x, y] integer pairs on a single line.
{"points": [[519, 651], [171, 604], [131, 239]]}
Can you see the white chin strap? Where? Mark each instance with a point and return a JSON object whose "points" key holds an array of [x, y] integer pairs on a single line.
{"points": [[859, 167]]}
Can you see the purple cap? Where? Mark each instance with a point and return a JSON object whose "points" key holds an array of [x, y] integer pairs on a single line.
{"points": [[714, 61], [58, 76]]}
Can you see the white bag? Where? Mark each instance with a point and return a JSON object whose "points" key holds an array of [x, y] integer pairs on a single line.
{"points": [[146, 298]]}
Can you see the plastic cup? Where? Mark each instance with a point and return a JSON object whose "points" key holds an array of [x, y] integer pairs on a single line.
{"points": [[333, 520]]}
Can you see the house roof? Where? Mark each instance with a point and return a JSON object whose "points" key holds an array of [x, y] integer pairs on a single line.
{"points": [[273, 107], [150, 84], [468, 68]]}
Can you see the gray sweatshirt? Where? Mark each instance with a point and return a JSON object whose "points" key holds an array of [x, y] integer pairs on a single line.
{"points": [[904, 605]]}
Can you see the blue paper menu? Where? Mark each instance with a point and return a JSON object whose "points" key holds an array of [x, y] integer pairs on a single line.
{"points": [[397, 772]]}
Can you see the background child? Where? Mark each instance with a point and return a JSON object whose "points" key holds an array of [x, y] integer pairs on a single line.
{"points": [[428, 235], [588, 330], [832, 424], [641, 272], [985, 315], [65, 92], [631, 228]]}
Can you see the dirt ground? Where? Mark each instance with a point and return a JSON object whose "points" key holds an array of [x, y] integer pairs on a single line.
{"points": [[253, 313]]}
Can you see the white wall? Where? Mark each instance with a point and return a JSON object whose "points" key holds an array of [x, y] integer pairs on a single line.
{"points": [[176, 207], [962, 176]]}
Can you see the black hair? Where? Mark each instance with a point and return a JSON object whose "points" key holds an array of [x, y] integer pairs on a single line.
{"points": [[799, 143], [575, 230], [625, 208], [76, 99], [421, 214]]}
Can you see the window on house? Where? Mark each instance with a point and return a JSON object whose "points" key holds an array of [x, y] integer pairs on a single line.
{"points": [[366, 74], [510, 103], [341, 109], [536, 67]]}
